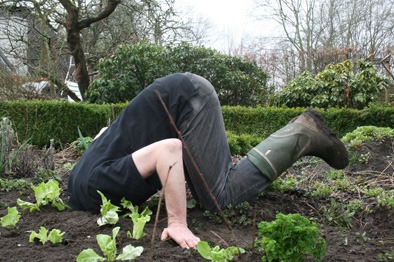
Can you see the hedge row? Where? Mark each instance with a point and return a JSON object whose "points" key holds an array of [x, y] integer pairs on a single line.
{"points": [[41, 121], [44, 120], [263, 121]]}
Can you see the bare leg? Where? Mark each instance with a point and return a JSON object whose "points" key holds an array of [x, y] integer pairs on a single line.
{"points": [[165, 158]]}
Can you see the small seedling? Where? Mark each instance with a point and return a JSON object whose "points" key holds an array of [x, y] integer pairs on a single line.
{"points": [[8, 185], [139, 220], [241, 214], [55, 236], [45, 194], [108, 212], [83, 142], [216, 253], [108, 247], [11, 219]]}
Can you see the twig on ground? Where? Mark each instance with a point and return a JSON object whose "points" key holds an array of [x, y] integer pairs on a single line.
{"points": [[209, 191], [158, 213]]}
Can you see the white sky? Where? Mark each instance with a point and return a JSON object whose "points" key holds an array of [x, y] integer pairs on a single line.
{"points": [[232, 20]]}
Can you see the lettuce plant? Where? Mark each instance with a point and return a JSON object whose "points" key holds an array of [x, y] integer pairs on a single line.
{"points": [[55, 236], [108, 247], [45, 194], [11, 219], [109, 212], [139, 219], [216, 253]]}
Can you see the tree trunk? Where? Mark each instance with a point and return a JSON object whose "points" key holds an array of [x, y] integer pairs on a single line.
{"points": [[75, 45], [73, 28]]}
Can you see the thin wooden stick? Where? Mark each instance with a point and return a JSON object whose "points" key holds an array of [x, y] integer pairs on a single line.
{"points": [[196, 167]]}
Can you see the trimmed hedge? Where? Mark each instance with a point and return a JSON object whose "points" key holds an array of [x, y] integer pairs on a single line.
{"points": [[59, 120], [43, 120], [263, 121]]}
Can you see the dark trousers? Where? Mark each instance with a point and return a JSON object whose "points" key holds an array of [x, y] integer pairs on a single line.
{"points": [[195, 109]]}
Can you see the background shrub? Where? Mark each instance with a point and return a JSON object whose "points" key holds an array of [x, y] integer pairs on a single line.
{"points": [[134, 67], [340, 85]]}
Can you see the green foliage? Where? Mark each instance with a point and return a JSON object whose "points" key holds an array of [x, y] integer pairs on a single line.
{"points": [[300, 91], [107, 245], [257, 123], [12, 184], [389, 256], [128, 72], [55, 236], [367, 133], [340, 214], [44, 175], [216, 253], [241, 144], [83, 143], [321, 189], [361, 134], [108, 211], [236, 81], [133, 67], [40, 120], [139, 219], [290, 238], [338, 85], [282, 184], [386, 198], [241, 214], [11, 219], [45, 194]]}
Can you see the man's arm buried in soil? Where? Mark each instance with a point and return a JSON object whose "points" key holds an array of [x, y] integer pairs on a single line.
{"points": [[165, 158]]}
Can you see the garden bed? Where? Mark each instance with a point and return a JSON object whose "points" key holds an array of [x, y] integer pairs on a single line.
{"points": [[365, 233]]}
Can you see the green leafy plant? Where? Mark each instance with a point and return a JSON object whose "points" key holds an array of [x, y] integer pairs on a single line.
{"points": [[321, 189], [108, 211], [283, 184], [216, 253], [386, 198], [107, 245], [83, 142], [338, 85], [368, 133], [55, 236], [241, 214], [139, 219], [339, 214], [237, 81], [11, 184], [11, 219], [389, 256], [45, 194], [44, 175], [290, 238]]}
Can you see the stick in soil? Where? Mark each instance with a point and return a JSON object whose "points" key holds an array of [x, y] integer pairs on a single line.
{"points": [[196, 167], [158, 213]]}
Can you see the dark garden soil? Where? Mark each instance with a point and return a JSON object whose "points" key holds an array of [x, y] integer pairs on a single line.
{"points": [[368, 237]]}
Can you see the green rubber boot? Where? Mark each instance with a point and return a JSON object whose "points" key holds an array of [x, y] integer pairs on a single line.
{"points": [[305, 135]]}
